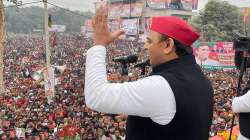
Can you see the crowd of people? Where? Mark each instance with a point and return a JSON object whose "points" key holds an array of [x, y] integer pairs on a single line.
{"points": [[224, 85], [26, 113]]}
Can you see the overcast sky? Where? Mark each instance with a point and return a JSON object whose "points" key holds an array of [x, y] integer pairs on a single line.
{"points": [[85, 5]]}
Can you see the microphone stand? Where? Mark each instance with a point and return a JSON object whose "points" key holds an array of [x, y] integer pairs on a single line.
{"points": [[124, 68]]}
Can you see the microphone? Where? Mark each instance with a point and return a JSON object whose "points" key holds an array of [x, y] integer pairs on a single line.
{"points": [[143, 64], [126, 59]]}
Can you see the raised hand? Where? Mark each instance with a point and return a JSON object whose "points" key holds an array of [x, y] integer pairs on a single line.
{"points": [[102, 35]]}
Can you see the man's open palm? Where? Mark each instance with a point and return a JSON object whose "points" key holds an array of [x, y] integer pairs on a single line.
{"points": [[102, 35]]}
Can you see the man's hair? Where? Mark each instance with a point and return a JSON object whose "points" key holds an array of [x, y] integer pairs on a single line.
{"points": [[181, 49]]}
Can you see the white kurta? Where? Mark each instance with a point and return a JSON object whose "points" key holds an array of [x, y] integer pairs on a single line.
{"points": [[150, 97], [241, 105]]}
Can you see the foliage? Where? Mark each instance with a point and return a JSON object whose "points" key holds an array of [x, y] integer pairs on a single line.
{"points": [[218, 21]]}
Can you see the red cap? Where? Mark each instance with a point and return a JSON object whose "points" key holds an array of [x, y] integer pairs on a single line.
{"points": [[175, 28]]}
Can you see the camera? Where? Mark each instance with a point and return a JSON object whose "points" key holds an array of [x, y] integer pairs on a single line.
{"points": [[242, 44], [242, 51]]}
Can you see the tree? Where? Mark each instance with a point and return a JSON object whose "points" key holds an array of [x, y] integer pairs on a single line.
{"points": [[247, 20], [218, 21]]}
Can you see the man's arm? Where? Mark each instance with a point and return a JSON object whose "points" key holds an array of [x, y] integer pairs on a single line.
{"points": [[150, 97], [241, 104]]}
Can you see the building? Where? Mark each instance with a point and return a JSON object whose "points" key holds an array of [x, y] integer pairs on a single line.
{"points": [[134, 15]]}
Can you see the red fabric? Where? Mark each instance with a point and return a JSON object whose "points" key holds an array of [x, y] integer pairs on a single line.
{"points": [[175, 28], [51, 126], [51, 117], [12, 134], [71, 130], [61, 134], [22, 102]]}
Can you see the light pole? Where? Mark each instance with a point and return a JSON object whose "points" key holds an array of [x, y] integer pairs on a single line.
{"points": [[2, 41], [46, 33]]}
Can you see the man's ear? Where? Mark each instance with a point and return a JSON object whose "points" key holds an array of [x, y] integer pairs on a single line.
{"points": [[169, 46]]}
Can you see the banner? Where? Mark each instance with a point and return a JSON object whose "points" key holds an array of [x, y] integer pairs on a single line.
{"points": [[136, 9], [194, 4], [57, 28], [214, 55], [130, 26], [183, 4], [173, 4], [125, 10], [49, 79], [114, 25], [157, 4], [187, 4], [115, 11]]}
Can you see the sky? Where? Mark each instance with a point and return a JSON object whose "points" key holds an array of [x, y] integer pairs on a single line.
{"points": [[88, 5]]}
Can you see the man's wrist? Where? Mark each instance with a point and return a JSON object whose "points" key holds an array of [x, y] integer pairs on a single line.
{"points": [[95, 48], [98, 47]]}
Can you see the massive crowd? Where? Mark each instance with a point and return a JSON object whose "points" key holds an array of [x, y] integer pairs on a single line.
{"points": [[25, 112]]}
